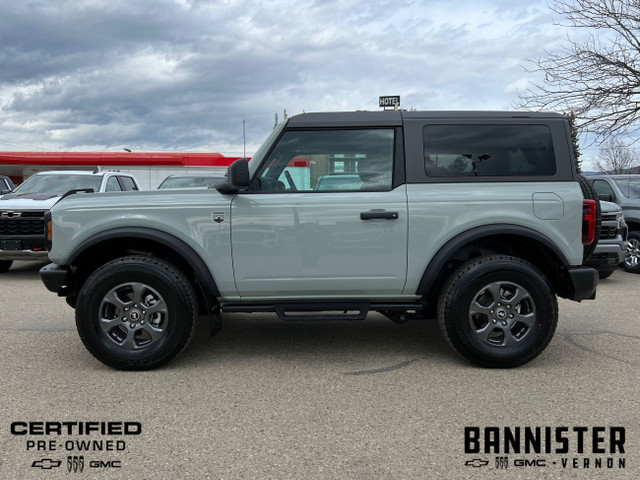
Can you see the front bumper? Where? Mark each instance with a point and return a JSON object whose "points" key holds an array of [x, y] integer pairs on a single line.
{"points": [[582, 283], [23, 254], [607, 255], [22, 248], [55, 278]]}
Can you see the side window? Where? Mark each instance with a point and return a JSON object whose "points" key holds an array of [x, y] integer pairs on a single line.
{"points": [[112, 185], [488, 150], [329, 160], [127, 183], [602, 187]]}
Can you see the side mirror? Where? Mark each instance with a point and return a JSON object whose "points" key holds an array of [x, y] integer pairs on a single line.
{"points": [[3, 192], [238, 177], [606, 198]]}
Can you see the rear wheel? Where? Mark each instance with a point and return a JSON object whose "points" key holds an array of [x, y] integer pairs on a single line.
{"points": [[5, 265], [136, 313], [498, 311]]}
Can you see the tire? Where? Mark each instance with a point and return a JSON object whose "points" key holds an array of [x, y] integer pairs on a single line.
{"points": [[605, 274], [136, 313], [482, 320], [589, 193], [5, 265], [632, 260]]}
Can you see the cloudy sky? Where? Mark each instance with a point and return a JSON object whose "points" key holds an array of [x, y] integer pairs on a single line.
{"points": [[182, 75]]}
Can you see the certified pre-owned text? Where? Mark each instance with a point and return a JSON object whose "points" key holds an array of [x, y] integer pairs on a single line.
{"points": [[76, 428]]}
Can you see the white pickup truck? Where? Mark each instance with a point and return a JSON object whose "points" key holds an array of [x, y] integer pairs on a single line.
{"points": [[22, 211]]}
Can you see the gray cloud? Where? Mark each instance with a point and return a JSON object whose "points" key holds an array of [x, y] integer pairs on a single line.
{"points": [[182, 75]]}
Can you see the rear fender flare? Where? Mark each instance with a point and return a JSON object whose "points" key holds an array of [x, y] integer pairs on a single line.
{"points": [[443, 255]]}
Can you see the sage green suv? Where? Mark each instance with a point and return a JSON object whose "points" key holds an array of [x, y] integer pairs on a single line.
{"points": [[474, 218]]}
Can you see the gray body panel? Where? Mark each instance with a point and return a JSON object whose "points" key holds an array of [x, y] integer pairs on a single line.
{"points": [[288, 245]]}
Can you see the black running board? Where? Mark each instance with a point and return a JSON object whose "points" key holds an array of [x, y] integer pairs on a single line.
{"points": [[322, 310]]}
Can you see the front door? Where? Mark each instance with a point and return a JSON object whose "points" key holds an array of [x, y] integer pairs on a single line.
{"points": [[323, 217]]}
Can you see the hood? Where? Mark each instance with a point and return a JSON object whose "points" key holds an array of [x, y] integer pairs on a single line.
{"points": [[28, 201], [605, 207]]}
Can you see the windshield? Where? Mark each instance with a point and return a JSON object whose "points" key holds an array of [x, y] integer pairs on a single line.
{"points": [[58, 183], [186, 182], [630, 186], [257, 158]]}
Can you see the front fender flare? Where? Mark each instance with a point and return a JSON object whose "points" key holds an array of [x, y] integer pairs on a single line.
{"points": [[177, 245]]}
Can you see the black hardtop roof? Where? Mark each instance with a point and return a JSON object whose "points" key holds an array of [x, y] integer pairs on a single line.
{"points": [[394, 117]]}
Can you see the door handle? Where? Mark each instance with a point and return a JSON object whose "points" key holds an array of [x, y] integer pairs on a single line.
{"points": [[378, 215]]}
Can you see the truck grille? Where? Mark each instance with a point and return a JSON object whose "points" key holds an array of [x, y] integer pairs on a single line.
{"points": [[28, 223], [608, 233]]}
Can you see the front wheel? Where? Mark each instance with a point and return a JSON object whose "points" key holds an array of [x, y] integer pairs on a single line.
{"points": [[5, 265], [498, 311], [632, 260], [605, 274], [136, 313]]}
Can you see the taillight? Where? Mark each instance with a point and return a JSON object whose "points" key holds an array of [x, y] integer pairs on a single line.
{"points": [[588, 221]]}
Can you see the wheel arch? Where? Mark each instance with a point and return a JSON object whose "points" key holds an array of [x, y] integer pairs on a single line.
{"points": [[515, 240], [110, 244], [633, 224]]}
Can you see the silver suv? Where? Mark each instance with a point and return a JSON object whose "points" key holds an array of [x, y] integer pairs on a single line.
{"points": [[6, 185], [625, 191], [476, 218]]}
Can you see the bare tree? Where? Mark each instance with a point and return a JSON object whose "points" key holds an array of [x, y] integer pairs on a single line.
{"points": [[616, 157], [599, 78]]}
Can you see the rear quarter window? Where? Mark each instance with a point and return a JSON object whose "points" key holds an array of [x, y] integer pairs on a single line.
{"points": [[488, 150]]}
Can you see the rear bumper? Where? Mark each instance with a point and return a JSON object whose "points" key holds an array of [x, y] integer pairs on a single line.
{"points": [[54, 278], [582, 284]]}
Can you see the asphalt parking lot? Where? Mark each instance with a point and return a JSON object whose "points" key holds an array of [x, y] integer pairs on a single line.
{"points": [[267, 399]]}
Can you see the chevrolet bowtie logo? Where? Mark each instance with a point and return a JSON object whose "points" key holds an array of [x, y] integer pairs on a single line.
{"points": [[46, 463], [476, 463], [10, 214]]}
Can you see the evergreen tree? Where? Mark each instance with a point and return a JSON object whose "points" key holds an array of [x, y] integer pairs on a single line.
{"points": [[571, 117]]}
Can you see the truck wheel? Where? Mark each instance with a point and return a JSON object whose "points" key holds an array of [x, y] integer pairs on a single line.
{"points": [[136, 313], [632, 260], [498, 311], [5, 265], [605, 274], [589, 193]]}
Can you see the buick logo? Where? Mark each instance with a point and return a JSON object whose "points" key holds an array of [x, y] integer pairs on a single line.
{"points": [[10, 214], [75, 463]]}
